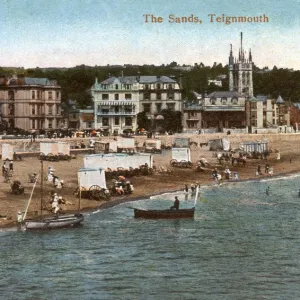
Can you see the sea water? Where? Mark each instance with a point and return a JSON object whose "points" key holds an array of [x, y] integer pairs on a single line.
{"points": [[242, 244]]}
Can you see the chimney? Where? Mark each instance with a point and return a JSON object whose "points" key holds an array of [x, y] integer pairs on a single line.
{"points": [[2, 79], [21, 78]]}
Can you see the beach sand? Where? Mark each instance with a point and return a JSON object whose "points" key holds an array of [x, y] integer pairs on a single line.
{"points": [[145, 186]]}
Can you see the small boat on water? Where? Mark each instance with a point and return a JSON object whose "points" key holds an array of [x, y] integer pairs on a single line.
{"points": [[165, 214], [53, 222], [46, 222]]}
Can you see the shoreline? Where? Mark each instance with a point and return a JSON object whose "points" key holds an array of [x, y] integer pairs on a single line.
{"points": [[117, 201]]}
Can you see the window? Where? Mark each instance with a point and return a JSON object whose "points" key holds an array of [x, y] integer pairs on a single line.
{"points": [[50, 124], [32, 94], [234, 100], [38, 96], [11, 95], [49, 109], [224, 101], [33, 110], [117, 121], [104, 96], [117, 86], [57, 109], [170, 86], [11, 109], [158, 86], [158, 96], [146, 86], [57, 95], [146, 96], [147, 108], [105, 121], [171, 96], [116, 96], [128, 96], [105, 111], [158, 107], [213, 101], [128, 110], [33, 124], [117, 109], [128, 121], [49, 95], [171, 106]]}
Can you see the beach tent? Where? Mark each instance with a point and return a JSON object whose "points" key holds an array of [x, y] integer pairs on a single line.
{"points": [[219, 144], [7, 152], [181, 142], [259, 147], [180, 154], [117, 160]]}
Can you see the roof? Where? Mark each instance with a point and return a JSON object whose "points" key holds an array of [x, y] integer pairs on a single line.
{"points": [[227, 94], [140, 79], [262, 98], [32, 81], [297, 105], [279, 100]]}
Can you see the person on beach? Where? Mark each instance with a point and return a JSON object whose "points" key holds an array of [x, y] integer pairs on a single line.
{"points": [[267, 167], [258, 171], [193, 188], [186, 188], [176, 204], [11, 165], [268, 191]]}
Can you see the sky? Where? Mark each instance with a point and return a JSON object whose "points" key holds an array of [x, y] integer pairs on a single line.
{"points": [[66, 33]]}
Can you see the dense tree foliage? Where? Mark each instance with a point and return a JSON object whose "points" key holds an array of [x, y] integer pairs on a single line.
{"points": [[76, 82]]}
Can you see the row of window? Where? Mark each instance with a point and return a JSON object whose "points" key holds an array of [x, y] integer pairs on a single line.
{"points": [[116, 96], [147, 107], [157, 86], [105, 121], [224, 101], [38, 95]]}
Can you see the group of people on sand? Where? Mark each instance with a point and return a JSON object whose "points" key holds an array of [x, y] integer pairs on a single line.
{"points": [[268, 170], [56, 201], [122, 186], [57, 183], [192, 188]]}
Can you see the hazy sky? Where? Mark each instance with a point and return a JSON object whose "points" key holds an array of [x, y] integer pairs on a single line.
{"points": [[66, 33]]}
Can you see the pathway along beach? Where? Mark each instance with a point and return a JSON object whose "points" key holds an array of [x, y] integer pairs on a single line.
{"points": [[145, 186]]}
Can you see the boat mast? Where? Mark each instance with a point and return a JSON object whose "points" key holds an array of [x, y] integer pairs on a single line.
{"points": [[79, 201], [42, 186]]}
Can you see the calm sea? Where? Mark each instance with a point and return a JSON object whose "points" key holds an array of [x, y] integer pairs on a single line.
{"points": [[242, 244]]}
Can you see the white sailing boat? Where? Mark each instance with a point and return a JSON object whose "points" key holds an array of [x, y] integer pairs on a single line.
{"points": [[49, 222]]}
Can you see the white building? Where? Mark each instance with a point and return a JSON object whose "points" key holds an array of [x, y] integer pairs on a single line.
{"points": [[118, 100]]}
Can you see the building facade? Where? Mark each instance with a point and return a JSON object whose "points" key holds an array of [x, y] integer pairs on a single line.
{"points": [[240, 72], [263, 112], [118, 100], [30, 103]]}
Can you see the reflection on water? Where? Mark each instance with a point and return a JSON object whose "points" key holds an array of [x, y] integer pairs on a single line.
{"points": [[242, 244]]}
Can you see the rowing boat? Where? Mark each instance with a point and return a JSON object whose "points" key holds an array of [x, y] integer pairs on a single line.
{"points": [[164, 214]]}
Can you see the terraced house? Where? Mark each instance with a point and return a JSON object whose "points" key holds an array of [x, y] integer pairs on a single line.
{"points": [[30, 103], [118, 100]]}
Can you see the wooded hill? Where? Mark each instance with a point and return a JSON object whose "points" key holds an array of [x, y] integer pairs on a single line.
{"points": [[77, 81]]}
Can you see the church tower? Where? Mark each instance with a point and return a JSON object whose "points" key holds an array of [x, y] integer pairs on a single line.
{"points": [[240, 72]]}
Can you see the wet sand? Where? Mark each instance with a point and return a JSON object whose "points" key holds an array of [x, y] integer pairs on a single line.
{"points": [[145, 186]]}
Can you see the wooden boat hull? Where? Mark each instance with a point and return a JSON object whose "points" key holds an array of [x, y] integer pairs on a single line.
{"points": [[53, 222], [164, 214]]}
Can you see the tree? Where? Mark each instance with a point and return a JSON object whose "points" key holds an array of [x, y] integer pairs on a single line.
{"points": [[143, 121]]}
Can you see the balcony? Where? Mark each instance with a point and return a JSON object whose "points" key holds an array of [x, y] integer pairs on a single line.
{"points": [[224, 108], [116, 102], [113, 113]]}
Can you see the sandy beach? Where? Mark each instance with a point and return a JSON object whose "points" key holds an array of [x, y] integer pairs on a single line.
{"points": [[145, 186]]}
